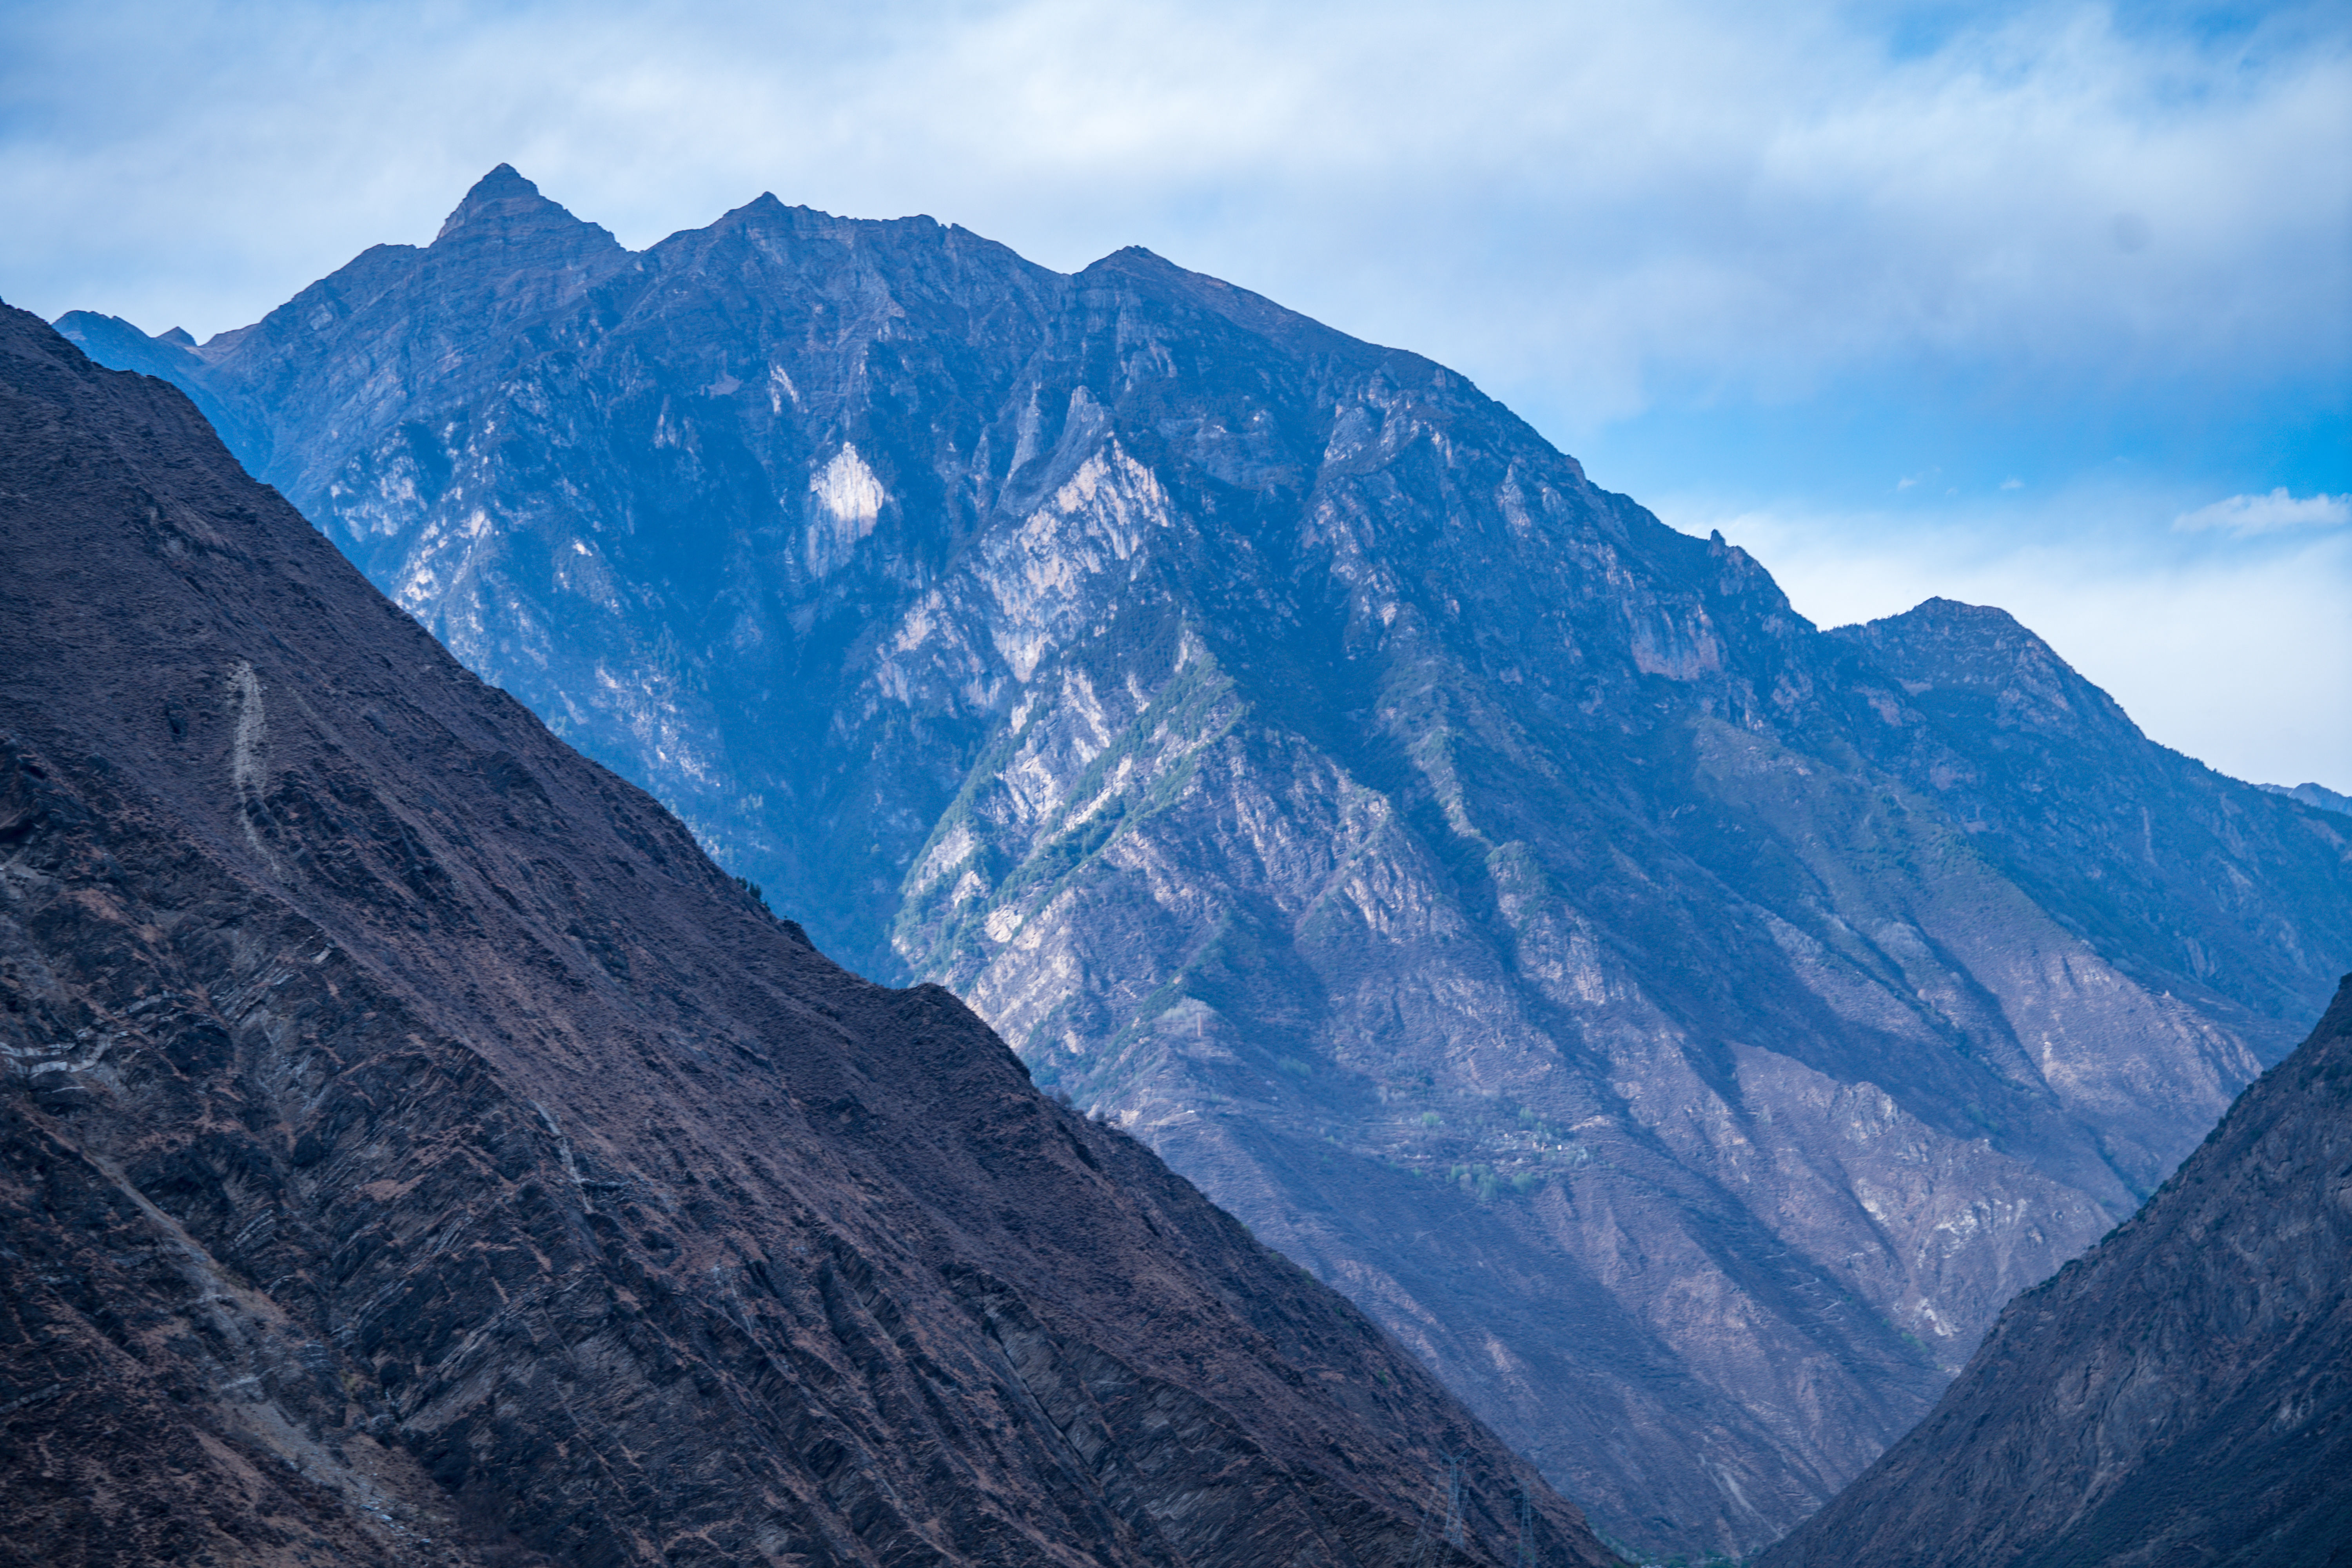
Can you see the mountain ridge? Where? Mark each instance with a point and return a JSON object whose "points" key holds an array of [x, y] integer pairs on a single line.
{"points": [[1305, 765], [415, 1150], [2312, 795]]}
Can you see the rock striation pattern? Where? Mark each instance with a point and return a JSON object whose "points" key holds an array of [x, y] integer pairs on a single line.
{"points": [[414, 1150], [1681, 1026], [2176, 1394]]}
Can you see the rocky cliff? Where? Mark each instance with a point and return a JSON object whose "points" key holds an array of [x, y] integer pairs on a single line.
{"points": [[2176, 1394], [1681, 1026], [413, 1149]]}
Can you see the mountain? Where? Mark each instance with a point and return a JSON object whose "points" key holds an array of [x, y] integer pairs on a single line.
{"points": [[2176, 1394], [2320, 796], [1681, 1026], [170, 355], [415, 1150]]}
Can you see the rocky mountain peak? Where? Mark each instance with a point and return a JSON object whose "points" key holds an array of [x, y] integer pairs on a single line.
{"points": [[766, 205], [2318, 796], [1163, 280], [1953, 638], [1958, 650], [504, 206]]}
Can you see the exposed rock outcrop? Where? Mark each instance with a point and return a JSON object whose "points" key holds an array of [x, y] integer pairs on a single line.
{"points": [[2183, 1393], [414, 1150], [1683, 1027]]}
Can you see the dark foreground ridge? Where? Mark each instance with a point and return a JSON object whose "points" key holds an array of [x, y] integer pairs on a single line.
{"points": [[415, 1150], [2175, 1395]]}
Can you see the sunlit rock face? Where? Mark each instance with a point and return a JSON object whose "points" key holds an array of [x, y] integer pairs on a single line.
{"points": [[1683, 1027]]}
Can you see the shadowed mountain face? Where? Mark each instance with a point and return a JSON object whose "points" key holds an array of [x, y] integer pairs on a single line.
{"points": [[414, 1151], [2176, 1394], [1683, 1027]]}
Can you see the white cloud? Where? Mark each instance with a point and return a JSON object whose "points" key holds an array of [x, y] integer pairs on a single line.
{"points": [[1584, 206], [2266, 514]]}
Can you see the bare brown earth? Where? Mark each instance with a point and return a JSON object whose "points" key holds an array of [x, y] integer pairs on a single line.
{"points": [[414, 1151], [2179, 1394]]}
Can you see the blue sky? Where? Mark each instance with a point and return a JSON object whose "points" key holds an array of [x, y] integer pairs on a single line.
{"points": [[2045, 306]]}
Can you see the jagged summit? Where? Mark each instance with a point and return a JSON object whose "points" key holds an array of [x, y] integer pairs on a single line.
{"points": [[503, 202], [1939, 610], [1948, 645], [1250, 312], [768, 211], [1951, 621]]}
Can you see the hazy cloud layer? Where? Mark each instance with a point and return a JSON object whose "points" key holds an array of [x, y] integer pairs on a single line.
{"points": [[2266, 514], [1780, 255]]}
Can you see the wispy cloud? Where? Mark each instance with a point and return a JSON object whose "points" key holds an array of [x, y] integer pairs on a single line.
{"points": [[2267, 514], [1588, 207]]}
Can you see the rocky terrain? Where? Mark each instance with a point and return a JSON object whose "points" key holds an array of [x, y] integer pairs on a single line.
{"points": [[2315, 795], [1681, 1026], [2176, 1394], [414, 1150]]}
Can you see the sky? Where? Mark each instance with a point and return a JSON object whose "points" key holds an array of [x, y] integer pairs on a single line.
{"points": [[2047, 306]]}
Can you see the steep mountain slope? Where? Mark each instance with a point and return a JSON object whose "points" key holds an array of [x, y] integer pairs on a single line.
{"points": [[1683, 1027], [2176, 1394], [415, 1150]]}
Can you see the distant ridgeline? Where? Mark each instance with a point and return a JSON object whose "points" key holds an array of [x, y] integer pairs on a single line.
{"points": [[2320, 796], [1683, 1027]]}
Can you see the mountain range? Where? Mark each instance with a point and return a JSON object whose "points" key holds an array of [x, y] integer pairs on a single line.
{"points": [[1681, 1026], [415, 1150], [2315, 795]]}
